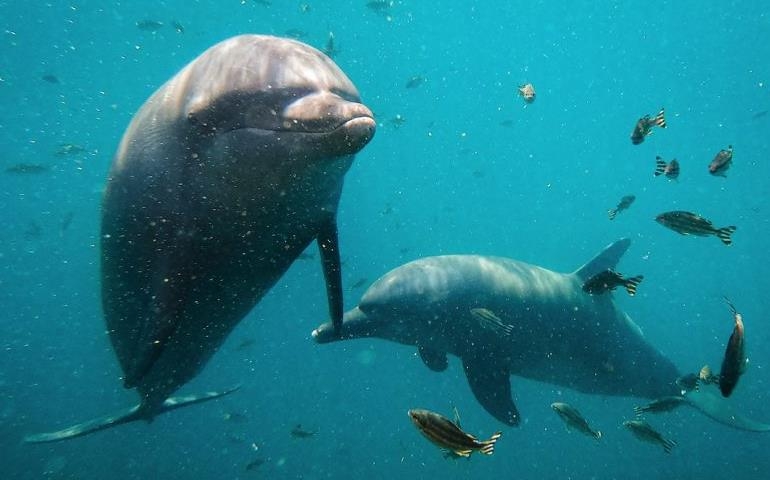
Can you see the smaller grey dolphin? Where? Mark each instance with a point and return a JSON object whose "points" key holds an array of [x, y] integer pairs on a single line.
{"points": [[504, 317]]}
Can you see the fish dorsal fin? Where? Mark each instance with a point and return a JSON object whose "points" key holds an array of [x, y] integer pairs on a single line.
{"points": [[607, 259], [491, 385]]}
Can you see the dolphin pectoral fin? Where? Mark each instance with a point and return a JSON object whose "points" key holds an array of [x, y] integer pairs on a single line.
{"points": [[607, 259], [491, 385], [721, 410], [328, 246], [128, 415], [433, 359]]}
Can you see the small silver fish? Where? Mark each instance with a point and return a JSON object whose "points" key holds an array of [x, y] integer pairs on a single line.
{"points": [[643, 431], [574, 419]]}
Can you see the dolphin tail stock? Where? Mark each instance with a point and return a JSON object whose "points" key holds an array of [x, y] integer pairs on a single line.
{"points": [[607, 259], [131, 414], [721, 410]]}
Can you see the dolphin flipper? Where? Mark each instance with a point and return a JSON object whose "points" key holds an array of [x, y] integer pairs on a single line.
{"points": [[491, 385], [328, 246], [719, 409], [131, 414], [433, 359]]}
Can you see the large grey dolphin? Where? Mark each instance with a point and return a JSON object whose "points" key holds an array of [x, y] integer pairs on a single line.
{"points": [[223, 177], [504, 317]]}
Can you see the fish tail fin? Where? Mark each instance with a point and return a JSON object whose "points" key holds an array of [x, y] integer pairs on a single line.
{"points": [[668, 445], [632, 283], [131, 414], [597, 434], [660, 166], [488, 446], [639, 411], [725, 234], [660, 118], [612, 213]]}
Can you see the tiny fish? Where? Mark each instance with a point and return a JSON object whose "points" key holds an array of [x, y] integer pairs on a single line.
{"points": [[178, 27], [246, 343], [722, 162], [527, 92], [398, 121], [296, 33], [670, 170], [447, 435], [299, 432], [234, 417], [33, 231], [149, 25], [69, 149], [487, 319], [574, 419], [688, 223], [360, 282], [65, 223], [415, 81], [305, 7], [706, 376], [663, 404], [609, 280], [624, 203], [734, 362], [330, 49], [692, 381], [643, 431], [644, 126], [50, 78], [27, 168], [380, 6], [254, 464], [759, 114]]}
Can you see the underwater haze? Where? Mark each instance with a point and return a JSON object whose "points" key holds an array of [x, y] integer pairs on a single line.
{"points": [[460, 163]]}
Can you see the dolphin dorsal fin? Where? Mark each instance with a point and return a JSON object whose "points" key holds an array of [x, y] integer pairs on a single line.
{"points": [[606, 259]]}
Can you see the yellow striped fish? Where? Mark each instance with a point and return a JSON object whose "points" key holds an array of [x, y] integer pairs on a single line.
{"points": [[447, 435]]}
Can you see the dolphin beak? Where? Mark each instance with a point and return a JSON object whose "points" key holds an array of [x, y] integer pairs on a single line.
{"points": [[354, 325]]}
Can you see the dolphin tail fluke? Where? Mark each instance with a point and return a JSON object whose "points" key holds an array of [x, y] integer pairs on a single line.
{"points": [[607, 259], [132, 414], [721, 410]]}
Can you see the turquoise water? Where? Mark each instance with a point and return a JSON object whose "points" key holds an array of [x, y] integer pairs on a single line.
{"points": [[470, 170]]}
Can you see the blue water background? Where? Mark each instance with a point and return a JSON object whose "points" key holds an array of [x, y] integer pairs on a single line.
{"points": [[471, 170]]}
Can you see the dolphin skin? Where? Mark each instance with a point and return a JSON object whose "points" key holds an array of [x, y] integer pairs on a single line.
{"points": [[223, 177], [553, 331]]}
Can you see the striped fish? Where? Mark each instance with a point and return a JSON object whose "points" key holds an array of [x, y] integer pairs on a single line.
{"points": [[688, 223], [609, 280], [643, 431], [644, 126], [663, 404], [447, 434], [670, 170]]}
